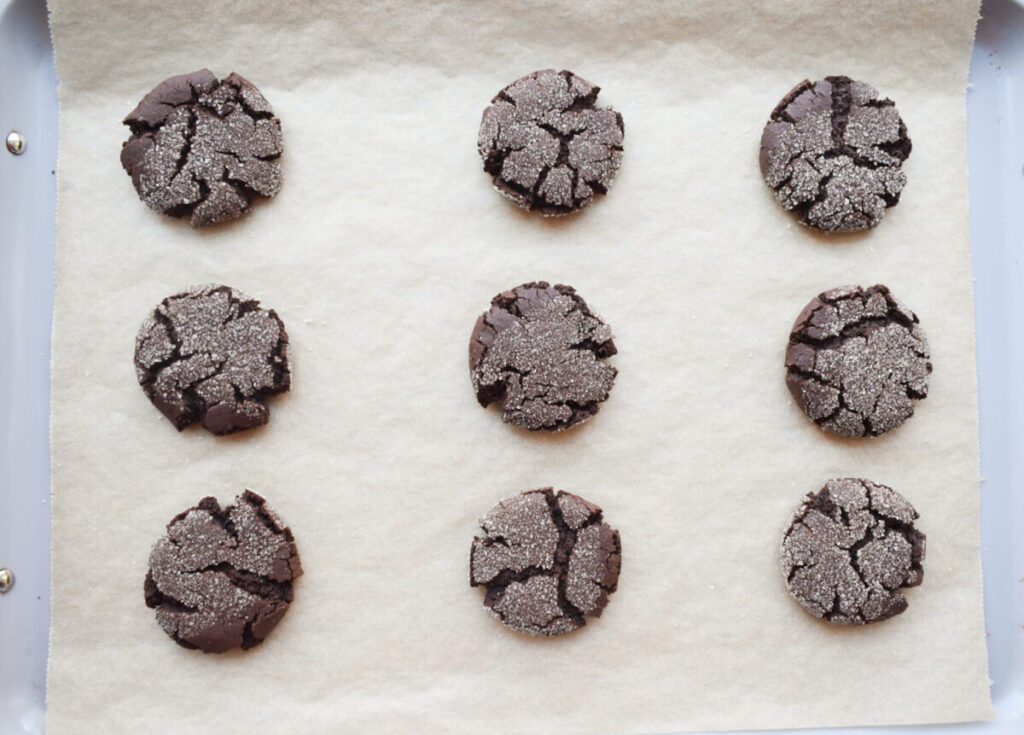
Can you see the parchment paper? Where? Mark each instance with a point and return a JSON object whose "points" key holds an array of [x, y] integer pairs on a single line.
{"points": [[384, 245]]}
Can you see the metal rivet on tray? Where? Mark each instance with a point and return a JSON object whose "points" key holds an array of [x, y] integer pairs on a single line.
{"points": [[6, 580], [16, 142]]}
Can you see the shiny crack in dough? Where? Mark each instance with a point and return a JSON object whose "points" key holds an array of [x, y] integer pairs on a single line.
{"points": [[211, 355], [222, 578], [547, 146], [540, 352], [547, 562], [203, 149], [857, 360], [833, 153], [850, 550]]}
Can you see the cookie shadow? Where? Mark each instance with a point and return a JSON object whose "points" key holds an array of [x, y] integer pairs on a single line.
{"points": [[828, 239], [180, 227], [834, 239], [238, 437], [866, 629], [857, 443], [541, 436], [557, 223], [197, 430]]}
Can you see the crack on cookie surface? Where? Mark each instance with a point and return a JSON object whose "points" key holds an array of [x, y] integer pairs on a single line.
{"points": [[547, 146], [547, 562], [857, 360], [222, 577], [203, 149], [540, 352], [850, 550], [833, 154], [212, 355]]}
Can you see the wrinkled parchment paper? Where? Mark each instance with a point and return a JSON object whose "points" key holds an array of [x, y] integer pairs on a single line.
{"points": [[384, 245]]}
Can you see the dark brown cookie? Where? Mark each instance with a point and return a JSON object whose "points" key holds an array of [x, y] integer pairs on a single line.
{"points": [[222, 578], [547, 562], [203, 149], [857, 360], [832, 152], [211, 354], [539, 351], [850, 550], [546, 144]]}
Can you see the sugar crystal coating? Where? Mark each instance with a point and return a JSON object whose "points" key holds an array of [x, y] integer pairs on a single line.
{"points": [[212, 354], [222, 578], [850, 550], [547, 561], [203, 149], [857, 360], [540, 351], [833, 153], [546, 144]]}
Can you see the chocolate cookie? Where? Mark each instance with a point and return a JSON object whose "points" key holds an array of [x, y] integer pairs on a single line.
{"points": [[211, 354], [833, 153], [857, 360], [539, 351], [546, 144], [222, 578], [202, 149], [850, 550], [547, 562]]}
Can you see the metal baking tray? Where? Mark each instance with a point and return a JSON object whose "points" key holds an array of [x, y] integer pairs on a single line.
{"points": [[28, 104]]}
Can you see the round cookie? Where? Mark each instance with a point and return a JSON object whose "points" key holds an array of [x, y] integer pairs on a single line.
{"points": [[222, 577], [546, 144], [540, 352], [850, 550], [212, 354], [857, 360], [833, 151], [202, 149], [547, 562]]}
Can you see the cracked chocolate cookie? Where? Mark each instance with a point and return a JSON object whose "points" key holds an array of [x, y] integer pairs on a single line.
{"points": [[202, 149], [540, 352], [222, 577], [546, 144], [548, 561], [212, 354], [833, 153], [857, 360], [850, 551]]}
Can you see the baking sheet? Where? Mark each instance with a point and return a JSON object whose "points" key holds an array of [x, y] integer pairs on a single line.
{"points": [[995, 113], [28, 184], [382, 248]]}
